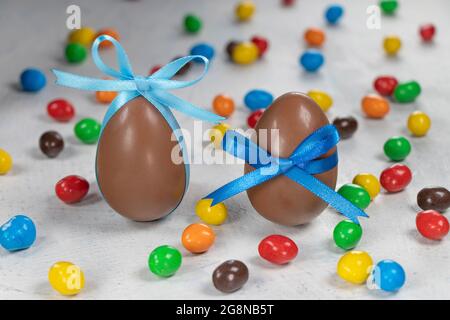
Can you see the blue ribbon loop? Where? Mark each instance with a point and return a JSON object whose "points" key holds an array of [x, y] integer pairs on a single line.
{"points": [[303, 163]]}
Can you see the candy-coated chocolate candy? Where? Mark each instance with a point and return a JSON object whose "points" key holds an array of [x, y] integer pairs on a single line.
{"points": [[311, 60], [107, 32], [355, 194], [334, 13], [51, 143], [230, 276], [369, 182], [395, 178], [262, 44], [314, 37], [75, 52], [397, 148], [432, 225], [198, 238], [32, 80], [203, 49], [154, 69], [84, 36], [375, 106], [392, 45], [164, 261], [407, 92], [277, 249], [184, 69], [385, 85], [61, 110], [254, 117], [245, 10], [217, 132], [322, 98], [434, 198], [87, 130], [354, 266], [387, 275], [105, 96], [215, 215], [419, 123], [245, 52], [66, 278], [258, 99], [6, 162], [427, 32], [388, 6], [347, 234], [223, 105], [192, 23], [71, 189], [346, 126], [229, 48], [288, 3], [18, 233]]}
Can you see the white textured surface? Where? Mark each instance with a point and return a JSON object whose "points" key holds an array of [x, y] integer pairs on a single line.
{"points": [[113, 251]]}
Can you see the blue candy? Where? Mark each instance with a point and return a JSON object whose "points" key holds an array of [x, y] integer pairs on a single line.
{"points": [[312, 60], [258, 99], [334, 13], [32, 80], [18, 233], [388, 275], [203, 49]]}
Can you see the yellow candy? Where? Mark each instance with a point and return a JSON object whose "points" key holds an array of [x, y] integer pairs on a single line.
{"points": [[244, 10], [245, 53], [419, 123], [84, 36], [5, 162], [217, 132], [354, 266], [66, 278], [369, 182], [321, 98], [214, 215], [392, 45]]}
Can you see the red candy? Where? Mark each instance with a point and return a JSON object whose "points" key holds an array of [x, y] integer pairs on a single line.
{"points": [[254, 117], [154, 69], [72, 189], [261, 43], [60, 110], [385, 85], [432, 225], [277, 249], [288, 3], [395, 178], [427, 32]]}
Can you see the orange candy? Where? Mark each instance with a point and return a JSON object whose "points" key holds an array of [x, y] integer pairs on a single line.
{"points": [[110, 32], [105, 96], [223, 105], [375, 106], [314, 37], [198, 237]]}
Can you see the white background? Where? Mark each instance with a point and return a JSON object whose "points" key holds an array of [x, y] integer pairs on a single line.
{"points": [[113, 251]]}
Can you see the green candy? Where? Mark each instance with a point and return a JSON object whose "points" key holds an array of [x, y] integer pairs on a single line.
{"points": [[164, 261], [192, 23], [87, 130], [407, 92], [347, 234], [355, 194], [388, 6], [397, 148], [75, 53]]}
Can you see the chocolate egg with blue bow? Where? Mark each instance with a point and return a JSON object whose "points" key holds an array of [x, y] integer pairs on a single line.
{"points": [[139, 165], [281, 200]]}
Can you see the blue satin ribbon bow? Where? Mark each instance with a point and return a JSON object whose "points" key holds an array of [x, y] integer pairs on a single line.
{"points": [[303, 163]]}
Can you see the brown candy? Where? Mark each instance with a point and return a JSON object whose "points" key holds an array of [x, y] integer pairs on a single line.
{"points": [[436, 198], [51, 143], [135, 172], [230, 47], [280, 199], [184, 69], [346, 126], [230, 276]]}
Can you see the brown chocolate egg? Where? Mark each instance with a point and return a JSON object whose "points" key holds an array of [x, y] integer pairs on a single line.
{"points": [[280, 199], [135, 171]]}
